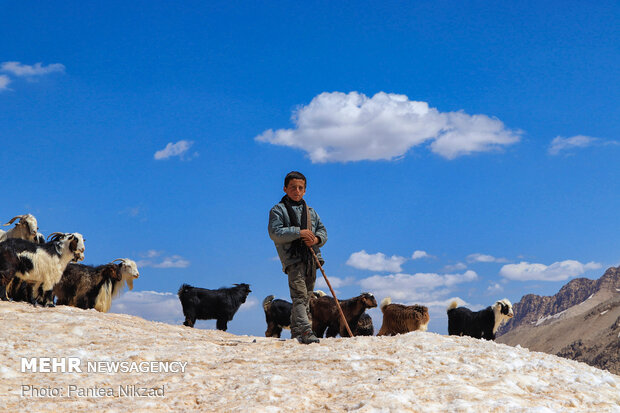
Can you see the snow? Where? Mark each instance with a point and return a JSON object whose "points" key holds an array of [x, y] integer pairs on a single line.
{"points": [[419, 371], [549, 317]]}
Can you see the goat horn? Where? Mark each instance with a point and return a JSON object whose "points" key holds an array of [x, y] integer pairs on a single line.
{"points": [[119, 259], [13, 219], [55, 235]]}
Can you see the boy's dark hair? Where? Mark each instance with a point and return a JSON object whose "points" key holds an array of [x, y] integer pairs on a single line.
{"points": [[293, 175]]}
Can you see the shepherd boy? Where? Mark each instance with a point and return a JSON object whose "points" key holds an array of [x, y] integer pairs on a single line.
{"points": [[294, 228]]}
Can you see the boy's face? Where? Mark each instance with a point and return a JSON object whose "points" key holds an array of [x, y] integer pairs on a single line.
{"points": [[295, 189]]}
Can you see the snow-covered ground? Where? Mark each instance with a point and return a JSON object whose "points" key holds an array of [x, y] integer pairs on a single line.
{"points": [[423, 372]]}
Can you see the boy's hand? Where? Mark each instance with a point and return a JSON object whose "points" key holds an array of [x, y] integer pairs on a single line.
{"points": [[308, 237]]}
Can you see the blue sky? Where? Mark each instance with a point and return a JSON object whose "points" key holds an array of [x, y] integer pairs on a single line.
{"points": [[481, 139]]}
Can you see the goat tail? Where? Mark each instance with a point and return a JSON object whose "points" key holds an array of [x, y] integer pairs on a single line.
{"points": [[385, 302], [267, 302], [452, 305], [183, 289]]}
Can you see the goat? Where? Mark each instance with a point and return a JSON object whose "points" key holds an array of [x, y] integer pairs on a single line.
{"points": [[401, 319], [205, 304], [41, 266], [325, 314], [278, 314], [478, 324], [26, 228], [85, 286], [364, 326]]}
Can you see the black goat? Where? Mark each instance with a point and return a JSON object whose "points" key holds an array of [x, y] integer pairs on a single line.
{"points": [[204, 304], [478, 324], [277, 315]]}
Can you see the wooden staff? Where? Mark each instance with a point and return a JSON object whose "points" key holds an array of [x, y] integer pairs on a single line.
{"points": [[332, 290]]}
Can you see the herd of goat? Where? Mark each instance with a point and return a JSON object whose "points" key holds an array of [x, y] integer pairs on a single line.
{"points": [[47, 273], [37, 271], [223, 303]]}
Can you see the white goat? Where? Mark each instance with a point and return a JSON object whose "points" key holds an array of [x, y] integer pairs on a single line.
{"points": [[26, 228]]}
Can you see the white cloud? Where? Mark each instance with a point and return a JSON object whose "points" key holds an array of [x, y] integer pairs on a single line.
{"points": [[459, 266], [420, 287], [558, 271], [153, 253], [18, 69], [419, 254], [334, 281], [494, 288], [484, 258], [339, 127], [150, 305], [4, 82], [560, 143], [173, 261], [175, 149], [375, 262]]}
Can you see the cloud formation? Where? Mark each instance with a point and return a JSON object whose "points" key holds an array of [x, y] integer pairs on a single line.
{"points": [[152, 260], [375, 262], [179, 149], [558, 271], [339, 127], [420, 287], [419, 255], [459, 266], [484, 258], [21, 70], [561, 144], [4, 82]]}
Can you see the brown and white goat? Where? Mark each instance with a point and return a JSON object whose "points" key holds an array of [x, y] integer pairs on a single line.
{"points": [[325, 314], [85, 286], [401, 319]]}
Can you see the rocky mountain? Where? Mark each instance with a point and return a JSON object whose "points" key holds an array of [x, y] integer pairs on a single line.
{"points": [[580, 322]]}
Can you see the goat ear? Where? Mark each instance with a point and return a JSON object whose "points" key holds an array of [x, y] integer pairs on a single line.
{"points": [[73, 244]]}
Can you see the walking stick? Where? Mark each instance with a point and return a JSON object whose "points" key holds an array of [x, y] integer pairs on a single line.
{"points": [[332, 290]]}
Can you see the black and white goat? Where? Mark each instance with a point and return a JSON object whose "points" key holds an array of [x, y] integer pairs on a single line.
{"points": [[204, 304], [40, 266], [26, 228], [86, 286], [478, 324]]}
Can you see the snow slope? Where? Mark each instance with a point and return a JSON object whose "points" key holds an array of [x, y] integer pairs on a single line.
{"points": [[423, 372]]}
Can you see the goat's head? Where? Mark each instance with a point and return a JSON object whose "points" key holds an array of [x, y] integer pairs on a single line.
{"points": [[369, 300], [129, 270], [73, 242], [28, 223], [504, 308], [245, 289]]}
